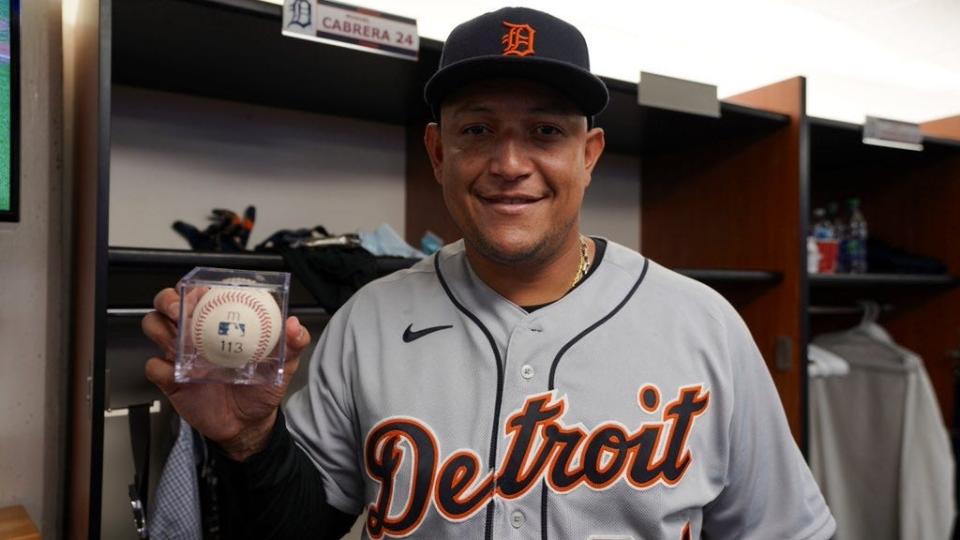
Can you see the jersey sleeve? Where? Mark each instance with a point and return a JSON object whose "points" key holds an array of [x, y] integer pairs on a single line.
{"points": [[321, 416], [768, 490], [276, 493]]}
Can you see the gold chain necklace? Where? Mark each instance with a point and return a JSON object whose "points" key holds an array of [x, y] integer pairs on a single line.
{"points": [[584, 263]]}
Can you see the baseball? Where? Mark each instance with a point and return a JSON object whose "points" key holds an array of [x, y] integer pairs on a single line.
{"points": [[233, 326]]}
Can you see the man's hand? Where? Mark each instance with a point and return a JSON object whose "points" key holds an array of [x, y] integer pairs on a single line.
{"points": [[237, 417]]}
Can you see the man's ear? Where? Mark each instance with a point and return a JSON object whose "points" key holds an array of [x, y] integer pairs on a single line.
{"points": [[593, 149], [434, 145]]}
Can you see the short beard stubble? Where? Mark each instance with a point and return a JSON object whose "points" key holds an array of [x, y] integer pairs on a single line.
{"points": [[541, 252]]}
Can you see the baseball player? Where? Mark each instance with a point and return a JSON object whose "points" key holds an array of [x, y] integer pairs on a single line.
{"points": [[527, 381]]}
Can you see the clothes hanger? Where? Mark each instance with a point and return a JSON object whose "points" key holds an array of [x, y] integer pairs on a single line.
{"points": [[816, 367], [824, 363], [868, 323], [871, 312], [869, 327]]}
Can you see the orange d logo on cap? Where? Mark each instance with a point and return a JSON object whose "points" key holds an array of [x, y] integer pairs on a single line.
{"points": [[518, 41]]}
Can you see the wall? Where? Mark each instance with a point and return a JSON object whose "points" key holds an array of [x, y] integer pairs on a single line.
{"points": [[177, 157], [32, 361], [611, 207]]}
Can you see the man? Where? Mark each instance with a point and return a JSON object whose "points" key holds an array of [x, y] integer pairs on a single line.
{"points": [[527, 381]]}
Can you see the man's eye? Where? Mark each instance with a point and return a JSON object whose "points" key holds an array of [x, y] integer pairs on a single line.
{"points": [[548, 131], [474, 130]]}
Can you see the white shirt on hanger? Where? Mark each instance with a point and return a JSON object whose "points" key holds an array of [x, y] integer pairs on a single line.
{"points": [[926, 449], [878, 444]]}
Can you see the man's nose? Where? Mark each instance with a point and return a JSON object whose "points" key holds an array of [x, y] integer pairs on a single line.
{"points": [[510, 161]]}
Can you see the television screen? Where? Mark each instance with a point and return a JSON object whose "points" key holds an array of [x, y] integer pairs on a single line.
{"points": [[9, 110]]}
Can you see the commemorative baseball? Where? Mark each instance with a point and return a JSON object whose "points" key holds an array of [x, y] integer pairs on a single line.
{"points": [[231, 329], [233, 326]]}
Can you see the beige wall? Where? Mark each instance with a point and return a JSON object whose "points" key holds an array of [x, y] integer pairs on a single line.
{"points": [[611, 207], [32, 364], [177, 157]]}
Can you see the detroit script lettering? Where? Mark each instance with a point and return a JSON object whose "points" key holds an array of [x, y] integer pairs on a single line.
{"points": [[542, 448]]}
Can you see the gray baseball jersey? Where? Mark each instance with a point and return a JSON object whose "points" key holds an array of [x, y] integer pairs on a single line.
{"points": [[635, 407]]}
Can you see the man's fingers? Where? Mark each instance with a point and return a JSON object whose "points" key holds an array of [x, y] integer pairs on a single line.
{"points": [[192, 297], [161, 330], [167, 302], [297, 337], [160, 373]]}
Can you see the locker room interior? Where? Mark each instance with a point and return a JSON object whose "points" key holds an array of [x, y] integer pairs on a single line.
{"points": [[138, 113]]}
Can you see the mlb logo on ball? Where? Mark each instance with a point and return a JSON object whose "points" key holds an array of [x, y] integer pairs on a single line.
{"points": [[227, 328]]}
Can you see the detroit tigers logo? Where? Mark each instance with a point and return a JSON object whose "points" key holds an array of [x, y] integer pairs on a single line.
{"points": [[542, 448], [518, 41], [301, 13]]}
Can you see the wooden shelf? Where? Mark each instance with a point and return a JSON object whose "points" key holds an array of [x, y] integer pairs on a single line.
{"points": [[942, 144], [633, 129], [234, 50], [732, 277], [839, 145], [15, 524], [891, 280], [166, 258], [136, 274]]}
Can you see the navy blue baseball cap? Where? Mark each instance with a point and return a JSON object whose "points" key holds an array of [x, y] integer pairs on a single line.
{"points": [[516, 42]]}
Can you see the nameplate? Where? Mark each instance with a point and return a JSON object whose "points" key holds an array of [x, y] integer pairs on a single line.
{"points": [[352, 27], [680, 95], [892, 134]]}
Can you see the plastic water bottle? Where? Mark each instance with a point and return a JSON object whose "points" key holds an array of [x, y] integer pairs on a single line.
{"points": [[822, 228], [840, 231], [856, 244]]}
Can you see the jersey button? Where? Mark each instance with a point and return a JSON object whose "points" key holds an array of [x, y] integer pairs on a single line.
{"points": [[527, 371], [517, 519]]}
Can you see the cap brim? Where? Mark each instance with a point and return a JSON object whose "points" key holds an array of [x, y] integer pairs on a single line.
{"points": [[585, 89]]}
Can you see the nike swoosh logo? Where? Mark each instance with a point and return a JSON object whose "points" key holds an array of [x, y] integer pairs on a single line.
{"points": [[409, 335]]}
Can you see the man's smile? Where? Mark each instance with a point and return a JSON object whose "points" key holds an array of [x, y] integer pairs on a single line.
{"points": [[509, 203]]}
